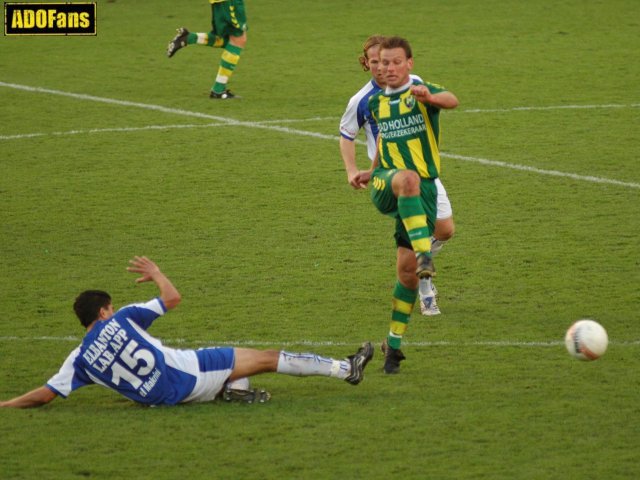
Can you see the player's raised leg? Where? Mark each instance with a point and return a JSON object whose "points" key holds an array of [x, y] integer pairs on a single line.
{"points": [[406, 187]]}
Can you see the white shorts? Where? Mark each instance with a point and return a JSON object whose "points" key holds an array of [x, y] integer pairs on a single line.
{"points": [[216, 364], [444, 205]]}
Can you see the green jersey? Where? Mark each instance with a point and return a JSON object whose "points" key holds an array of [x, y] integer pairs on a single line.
{"points": [[409, 131]]}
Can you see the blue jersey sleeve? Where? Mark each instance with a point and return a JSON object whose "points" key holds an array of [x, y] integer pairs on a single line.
{"points": [[143, 314]]}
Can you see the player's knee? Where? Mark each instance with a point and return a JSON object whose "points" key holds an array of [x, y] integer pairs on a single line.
{"points": [[408, 183], [407, 277], [444, 230], [269, 359], [238, 41]]}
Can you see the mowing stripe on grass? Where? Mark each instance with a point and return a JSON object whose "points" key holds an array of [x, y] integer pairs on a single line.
{"points": [[330, 343], [291, 131], [551, 107]]}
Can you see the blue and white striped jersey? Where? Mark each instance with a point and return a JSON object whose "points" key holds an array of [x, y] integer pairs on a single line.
{"points": [[119, 354]]}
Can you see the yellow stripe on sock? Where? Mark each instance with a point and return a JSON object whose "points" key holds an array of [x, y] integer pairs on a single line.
{"points": [[402, 307], [224, 72], [398, 328], [230, 57], [417, 221], [421, 245]]}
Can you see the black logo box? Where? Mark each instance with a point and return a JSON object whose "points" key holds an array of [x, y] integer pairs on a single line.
{"points": [[50, 18]]}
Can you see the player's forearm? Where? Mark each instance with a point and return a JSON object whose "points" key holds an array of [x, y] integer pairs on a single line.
{"points": [[444, 100], [35, 398], [168, 292], [348, 152]]}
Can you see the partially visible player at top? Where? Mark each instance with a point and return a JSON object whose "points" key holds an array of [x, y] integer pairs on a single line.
{"points": [[403, 174], [229, 32], [358, 117], [118, 353]]}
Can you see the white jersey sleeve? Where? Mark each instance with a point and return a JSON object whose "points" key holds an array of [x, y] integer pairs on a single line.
{"points": [[357, 117], [65, 381]]}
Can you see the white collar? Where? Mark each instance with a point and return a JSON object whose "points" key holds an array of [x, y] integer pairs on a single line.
{"points": [[390, 91]]}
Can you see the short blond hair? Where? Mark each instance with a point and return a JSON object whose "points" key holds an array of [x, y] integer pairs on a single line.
{"points": [[372, 41]]}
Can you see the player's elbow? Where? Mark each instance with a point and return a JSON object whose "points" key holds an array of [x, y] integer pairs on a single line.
{"points": [[452, 101], [172, 301]]}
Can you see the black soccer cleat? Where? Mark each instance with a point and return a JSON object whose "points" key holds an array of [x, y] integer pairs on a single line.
{"points": [[178, 42], [358, 361], [226, 95], [425, 267], [392, 358], [245, 396]]}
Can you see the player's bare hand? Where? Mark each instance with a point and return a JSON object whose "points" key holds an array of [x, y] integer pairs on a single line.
{"points": [[145, 267], [360, 180], [422, 93]]}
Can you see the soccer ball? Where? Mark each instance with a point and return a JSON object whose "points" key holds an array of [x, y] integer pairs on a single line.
{"points": [[586, 340]]}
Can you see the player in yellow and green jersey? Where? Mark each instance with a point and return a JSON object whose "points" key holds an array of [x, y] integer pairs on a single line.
{"points": [[228, 31], [403, 177]]}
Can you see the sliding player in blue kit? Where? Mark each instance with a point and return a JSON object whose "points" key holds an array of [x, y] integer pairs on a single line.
{"points": [[118, 353]]}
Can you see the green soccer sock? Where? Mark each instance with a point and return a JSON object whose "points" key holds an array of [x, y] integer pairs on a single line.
{"points": [[402, 305], [228, 62], [207, 39], [414, 219]]}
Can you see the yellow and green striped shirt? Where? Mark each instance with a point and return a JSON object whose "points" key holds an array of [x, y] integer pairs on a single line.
{"points": [[409, 131]]}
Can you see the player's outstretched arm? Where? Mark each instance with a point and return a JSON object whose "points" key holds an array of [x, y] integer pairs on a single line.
{"points": [[151, 272], [445, 100], [348, 153], [35, 398]]}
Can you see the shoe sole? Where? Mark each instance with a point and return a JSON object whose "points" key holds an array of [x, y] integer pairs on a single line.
{"points": [[246, 396], [429, 311], [395, 370], [426, 274], [367, 355]]}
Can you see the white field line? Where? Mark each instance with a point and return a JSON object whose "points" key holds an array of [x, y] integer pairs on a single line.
{"points": [[328, 343], [262, 125], [493, 110], [111, 130], [554, 173], [298, 120]]}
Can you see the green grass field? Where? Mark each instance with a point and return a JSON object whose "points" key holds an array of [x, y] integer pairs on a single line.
{"points": [[108, 149]]}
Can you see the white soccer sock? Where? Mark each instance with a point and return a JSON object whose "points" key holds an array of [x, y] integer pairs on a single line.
{"points": [[240, 384], [426, 287], [307, 364], [203, 38], [436, 245]]}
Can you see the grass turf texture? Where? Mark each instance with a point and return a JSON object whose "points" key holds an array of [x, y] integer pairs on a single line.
{"points": [[268, 244]]}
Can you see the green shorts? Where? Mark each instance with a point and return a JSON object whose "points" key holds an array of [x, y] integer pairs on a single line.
{"points": [[228, 19], [386, 202]]}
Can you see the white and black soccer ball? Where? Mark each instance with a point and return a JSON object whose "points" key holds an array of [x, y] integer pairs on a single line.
{"points": [[586, 340]]}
